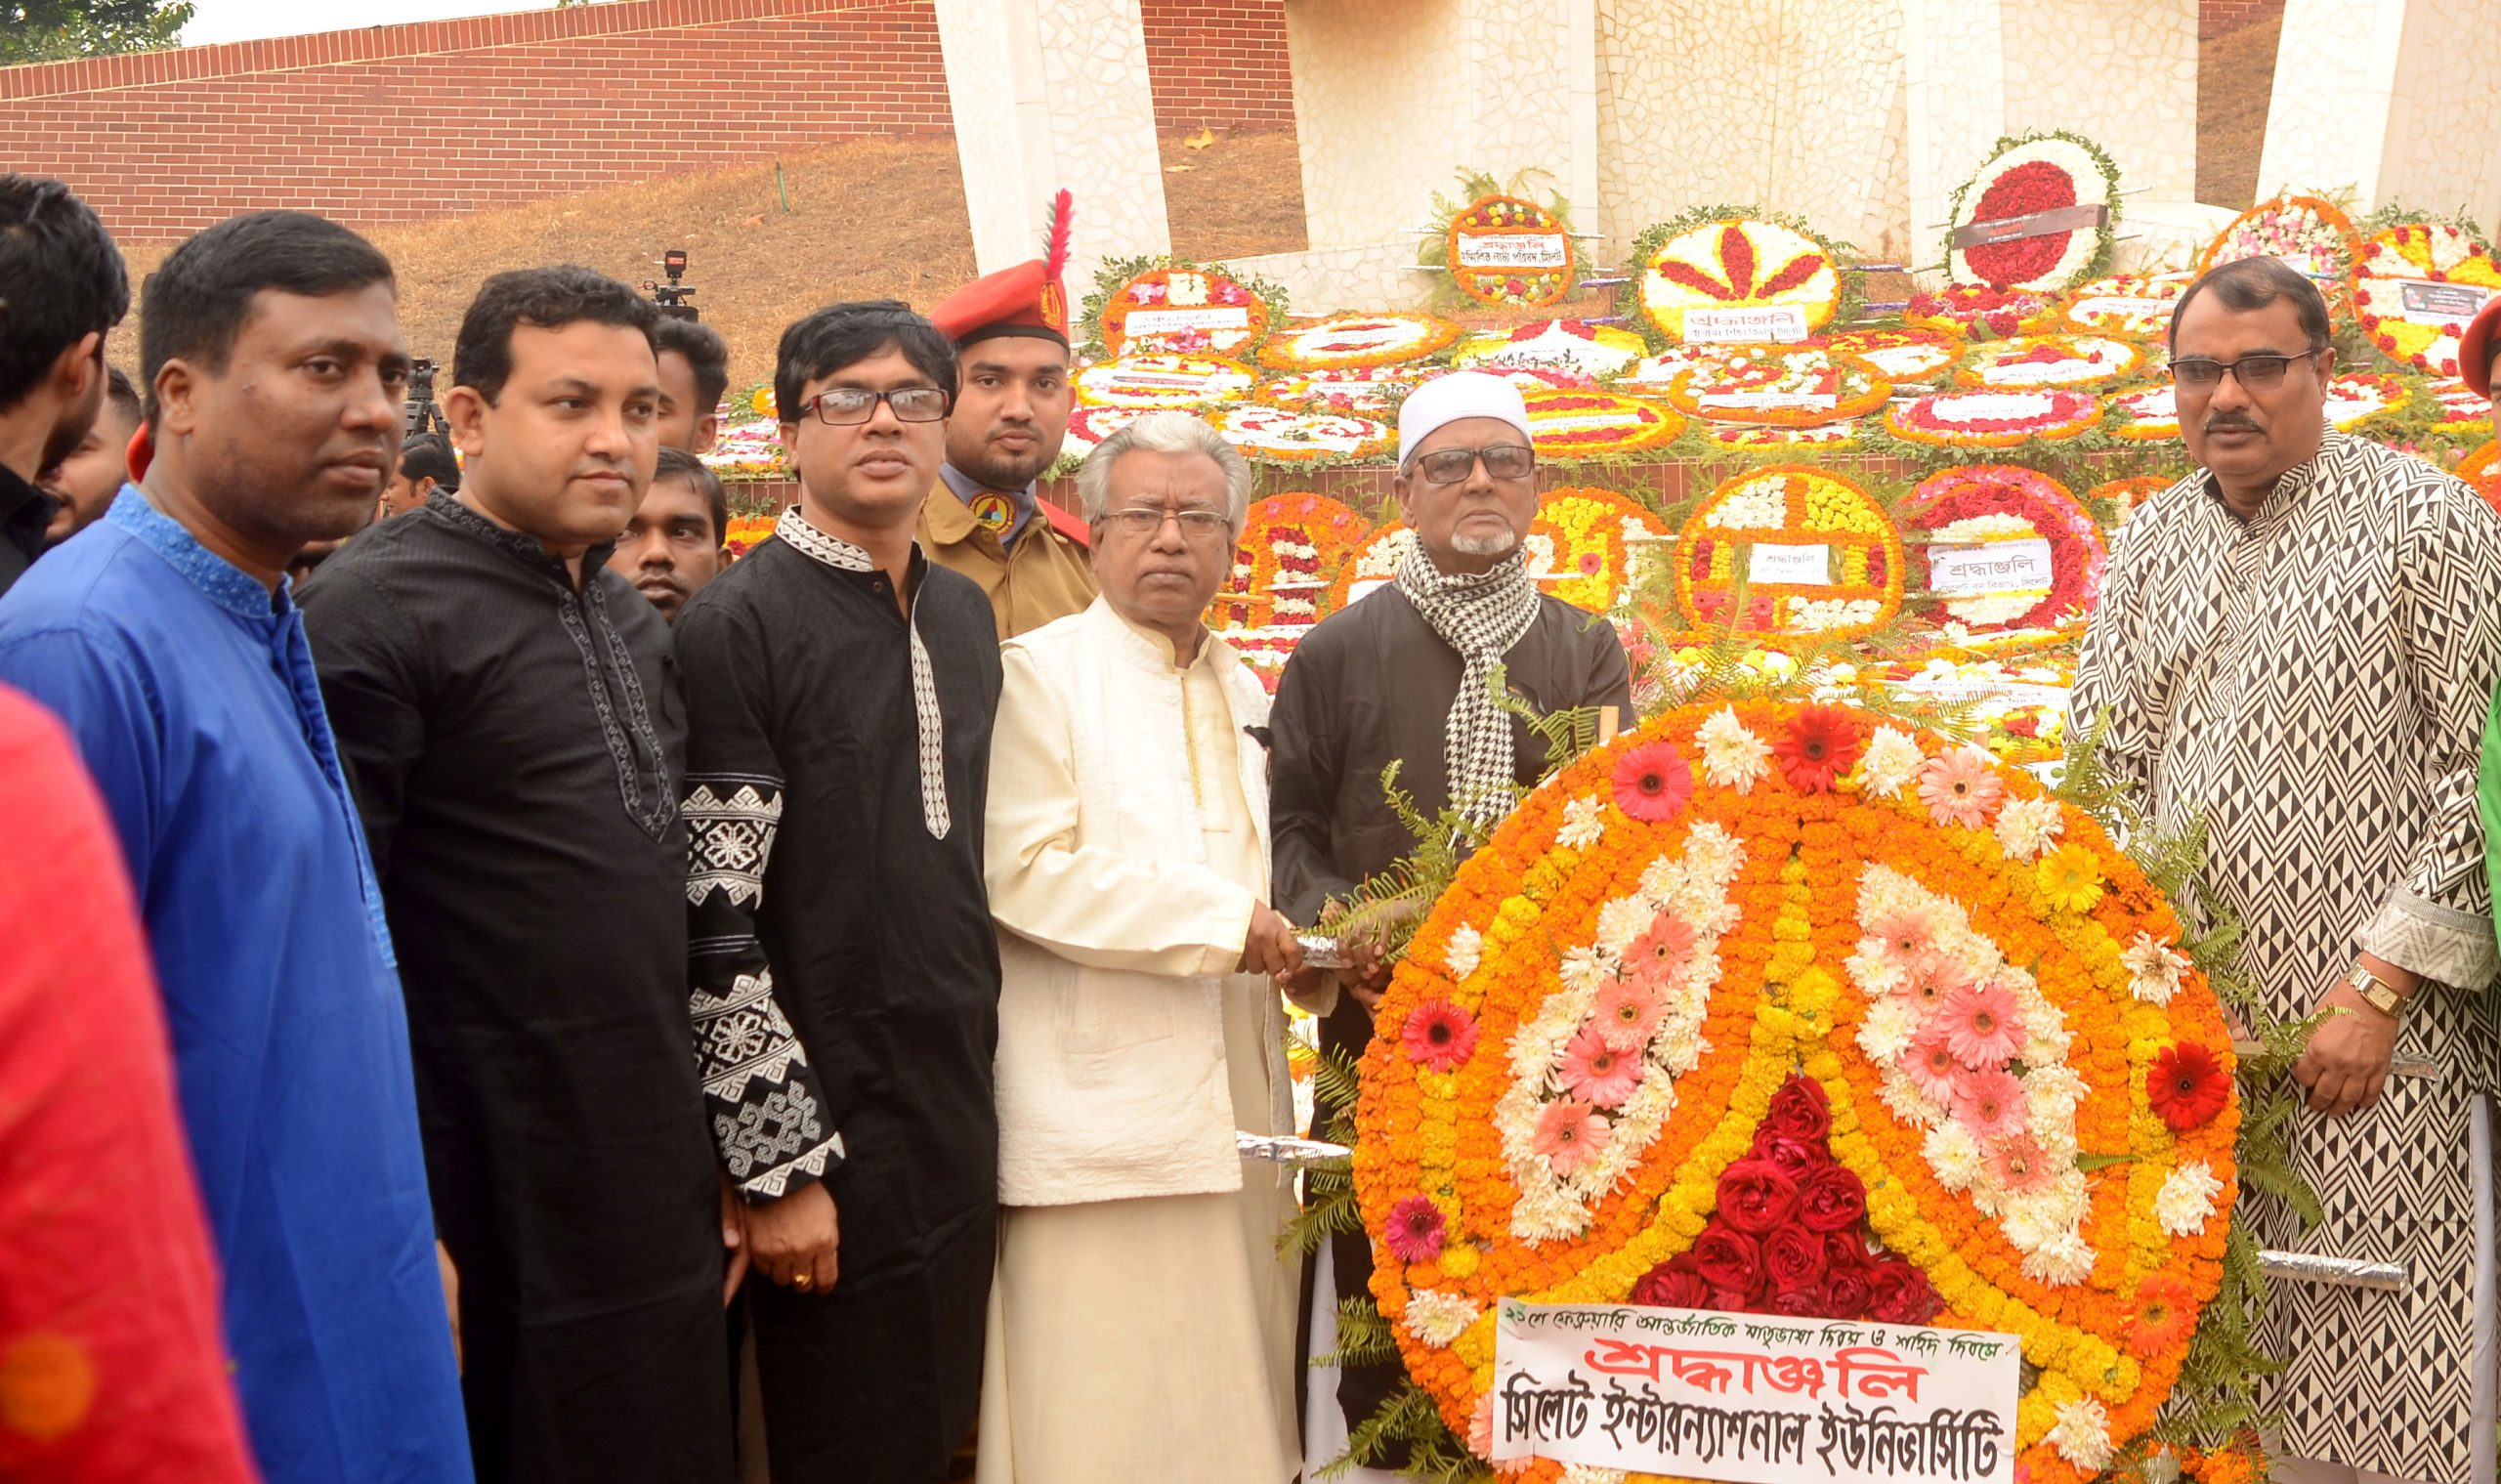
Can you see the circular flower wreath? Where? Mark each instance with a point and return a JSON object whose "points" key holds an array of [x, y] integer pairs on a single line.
{"points": [[1164, 381], [2030, 361], [2149, 416], [2037, 172], [1344, 342], [1357, 392], [1088, 426], [2361, 396], [2311, 235], [1978, 312], [1729, 997], [1790, 505], [1204, 311], [1582, 548], [1982, 503], [1993, 419], [2417, 253], [1280, 435], [2461, 410], [1290, 550], [1570, 346], [1780, 386], [1495, 218], [2135, 305], [1903, 356], [1736, 260], [749, 451], [1570, 425]]}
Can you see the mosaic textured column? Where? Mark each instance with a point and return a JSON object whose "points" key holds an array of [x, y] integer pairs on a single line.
{"points": [[2399, 98]]}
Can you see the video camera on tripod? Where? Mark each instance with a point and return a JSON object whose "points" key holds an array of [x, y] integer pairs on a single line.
{"points": [[676, 297], [420, 415]]}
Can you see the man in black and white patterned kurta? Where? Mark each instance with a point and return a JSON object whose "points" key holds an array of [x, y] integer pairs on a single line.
{"points": [[2298, 642]]}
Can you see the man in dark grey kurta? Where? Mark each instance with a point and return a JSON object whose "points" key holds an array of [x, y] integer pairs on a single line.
{"points": [[509, 715], [1403, 675], [840, 692]]}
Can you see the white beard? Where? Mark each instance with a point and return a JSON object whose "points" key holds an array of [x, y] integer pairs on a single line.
{"points": [[1485, 546]]}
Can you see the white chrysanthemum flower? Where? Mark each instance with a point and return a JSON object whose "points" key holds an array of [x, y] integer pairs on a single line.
{"points": [[1621, 920], [1954, 1155], [1679, 1047], [1583, 969], [2153, 970], [1590, 1473], [2052, 1092], [2029, 1222], [1438, 1318], [1875, 971], [1891, 760], [1583, 824], [2186, 1201], [1887, 1031], [1466, 947], [2026, 827], [2082, 1436], [2062, 1261], [1733, 756]]}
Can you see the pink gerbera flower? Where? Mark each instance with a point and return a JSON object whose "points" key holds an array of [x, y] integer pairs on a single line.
{"points": [[1569, 1134], [1960, 787], [1991, 1104], [1628, 1013], [1983, 1023], [1908, 938], [2019, 1165], [1438, 1033], [1661, 953], [1927, 986], [1929, 1063], [1652, 782], [1415, 1230], [1597, 1071]]}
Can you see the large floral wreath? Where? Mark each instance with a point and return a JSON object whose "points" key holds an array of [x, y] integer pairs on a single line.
{"points": [[2136, 306], [1719, 258], [1344, 342], [1791, 1010], [1814, 554], [1362, 390], [1980, 312], [1182, 308], [2420, 260], [1280, 435], [1510, 252], [1780, 386], [1570, 346], [1173, 380], [1983, 504], [2313, 235], [1570, 425], [1905, 356], [2028, 362], [2023, 176], [1993, 419]]}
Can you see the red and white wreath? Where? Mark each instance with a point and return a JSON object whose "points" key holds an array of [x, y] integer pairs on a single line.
{"points": [[2025, 176]]}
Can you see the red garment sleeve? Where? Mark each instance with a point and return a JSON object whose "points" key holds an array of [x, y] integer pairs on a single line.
{"points": [[110, 1363]]}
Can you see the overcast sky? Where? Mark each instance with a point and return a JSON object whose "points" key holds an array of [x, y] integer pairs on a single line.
{"points": [[249, 19]]}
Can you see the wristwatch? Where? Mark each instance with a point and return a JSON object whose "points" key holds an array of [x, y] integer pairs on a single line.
{"points": [[2381, 995]]}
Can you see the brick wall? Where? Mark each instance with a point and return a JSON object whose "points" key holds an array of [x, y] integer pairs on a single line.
{"points": [[2216, 17], [1218, 62], [443, 118]]}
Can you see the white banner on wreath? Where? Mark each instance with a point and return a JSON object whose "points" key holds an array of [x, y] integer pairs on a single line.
{"points": [[1511, 249], [1811, 401], [2423, 302], [1176, 321], [1774, 324], [1754, 1399], [1799, 566], [1989, 566]]}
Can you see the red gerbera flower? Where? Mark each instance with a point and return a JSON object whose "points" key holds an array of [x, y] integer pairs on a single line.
{"points": [[2186, 1086], [2166, 1315], [1438, 1033], [1822, 743], [1652, 782], [1415, 1230]]}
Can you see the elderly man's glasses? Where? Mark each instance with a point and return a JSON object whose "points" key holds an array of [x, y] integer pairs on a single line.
{"points": [[1200, 527], [1504, 461], [2255, 372], [840, 406]]}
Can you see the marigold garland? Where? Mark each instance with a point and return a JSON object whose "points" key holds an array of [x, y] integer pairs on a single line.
{"points": [[1983, 503], [1185, 309], [1345, 341], [2127, 494], [1502, 227], [1634, 989], [1781, 387], [1284, 563], [2420, 256], [2482, 467], [1753, 525]]}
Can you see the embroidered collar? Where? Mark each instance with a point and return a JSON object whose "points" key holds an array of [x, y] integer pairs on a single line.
{"points": [[520, 544], [927, 720], [226, 584]]}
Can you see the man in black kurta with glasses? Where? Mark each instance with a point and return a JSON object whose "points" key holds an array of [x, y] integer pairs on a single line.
{"points": [[839, 695]]}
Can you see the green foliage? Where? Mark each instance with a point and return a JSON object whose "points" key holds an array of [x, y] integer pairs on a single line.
{"points": [[1364, 1337], [1389, 906], [1637, 262], [1409, 1422], [1116, 272], [59, 30]]}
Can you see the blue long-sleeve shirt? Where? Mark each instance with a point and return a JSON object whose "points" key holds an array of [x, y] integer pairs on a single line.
{"points": [[190, 693]]}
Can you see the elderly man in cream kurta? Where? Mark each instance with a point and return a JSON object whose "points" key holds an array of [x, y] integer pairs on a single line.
{"points": [[1142, 1323]]}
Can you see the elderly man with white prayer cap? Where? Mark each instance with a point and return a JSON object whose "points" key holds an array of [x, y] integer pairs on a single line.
{"points": [[1403, 674]]}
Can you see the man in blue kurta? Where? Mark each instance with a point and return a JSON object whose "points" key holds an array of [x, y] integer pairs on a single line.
{"points": [[166, 637]]}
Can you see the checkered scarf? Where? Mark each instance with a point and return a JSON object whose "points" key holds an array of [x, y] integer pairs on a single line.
{"points": [[1480, 615]]}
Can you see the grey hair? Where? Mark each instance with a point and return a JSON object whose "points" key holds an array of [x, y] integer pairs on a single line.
{"points": [[1165, 432]]}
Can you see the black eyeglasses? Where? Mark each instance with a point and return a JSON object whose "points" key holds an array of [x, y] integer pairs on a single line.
{"points": [[840, 406], [2253, 373], [1504, 461], [1202, 527]]}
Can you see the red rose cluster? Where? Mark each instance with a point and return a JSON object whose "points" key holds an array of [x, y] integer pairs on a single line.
{"points": [[1789, 1237]]}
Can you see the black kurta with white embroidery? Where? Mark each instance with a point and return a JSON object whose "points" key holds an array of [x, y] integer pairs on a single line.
{"points": [[838, 758], [515, 746]]}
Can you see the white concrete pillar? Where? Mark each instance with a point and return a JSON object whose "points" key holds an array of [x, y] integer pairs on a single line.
{"points": [[2399, 98], [1049, 94]]}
